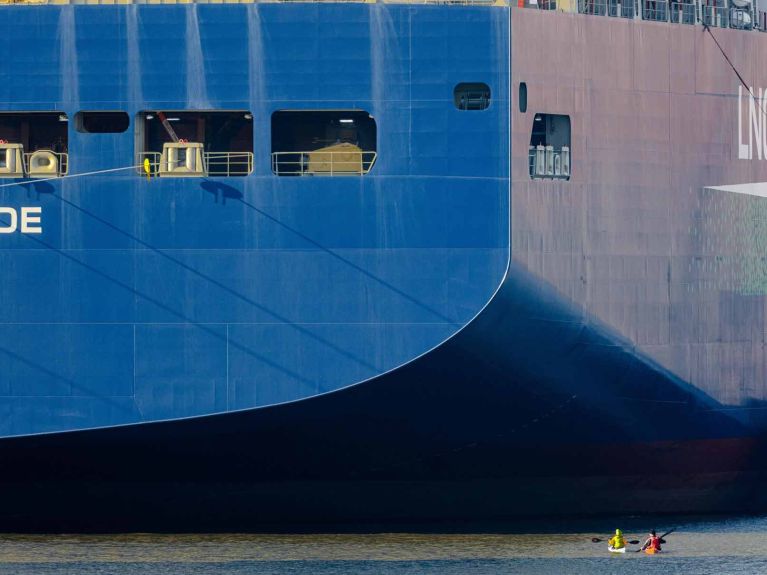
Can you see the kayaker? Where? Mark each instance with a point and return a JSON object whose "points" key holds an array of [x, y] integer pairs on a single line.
{"points": [[617, 541], [653, 542]]}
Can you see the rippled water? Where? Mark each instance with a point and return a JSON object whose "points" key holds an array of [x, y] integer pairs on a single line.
{"points": [[722, 546]]}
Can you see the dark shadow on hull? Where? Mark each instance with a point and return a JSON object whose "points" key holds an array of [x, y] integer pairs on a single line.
{"points": [[220, 191], [531, 410]]}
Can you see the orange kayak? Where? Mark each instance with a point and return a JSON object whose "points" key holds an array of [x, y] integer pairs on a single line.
{"points": [[651, 551]]}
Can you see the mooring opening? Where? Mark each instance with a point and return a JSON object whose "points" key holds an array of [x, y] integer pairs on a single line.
{"points": [[33, 144], [323, 142], [176, 144]]}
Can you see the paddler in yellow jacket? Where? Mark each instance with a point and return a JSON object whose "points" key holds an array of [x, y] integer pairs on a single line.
{"points": [[617, 541]]}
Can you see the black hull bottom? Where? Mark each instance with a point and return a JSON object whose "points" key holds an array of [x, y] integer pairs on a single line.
{"points": [[347, 507], [374, 505], [532, 410]]}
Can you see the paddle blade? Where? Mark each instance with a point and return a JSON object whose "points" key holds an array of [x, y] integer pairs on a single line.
{"points": [[634, 542], [595, 540], [667, 533]]}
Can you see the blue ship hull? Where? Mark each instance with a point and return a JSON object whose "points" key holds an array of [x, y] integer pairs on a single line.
{"points": [[454, 435], [418, 343], [143, 301]]}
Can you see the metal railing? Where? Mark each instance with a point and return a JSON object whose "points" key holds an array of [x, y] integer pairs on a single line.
{"points": [[655, 10], [217, 164], [318, 163], [714, 13], [154, 163], [741, 19], [228, 164], [62, 164], [683, 12], [474, 100], [547, 162], [547, 5], [594, 7], [622, 8]]}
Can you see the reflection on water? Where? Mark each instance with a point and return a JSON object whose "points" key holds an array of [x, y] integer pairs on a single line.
{"points": [[705, 546]]}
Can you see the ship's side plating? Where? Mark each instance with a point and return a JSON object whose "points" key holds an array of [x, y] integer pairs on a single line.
{"points": [[644, 236], [575, 390], [157, 299], [164, 299]]}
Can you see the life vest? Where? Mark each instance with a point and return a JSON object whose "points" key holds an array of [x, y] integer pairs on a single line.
{"points": [[655, 543], [617, 542]]}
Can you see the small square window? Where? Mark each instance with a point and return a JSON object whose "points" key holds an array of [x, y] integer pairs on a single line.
{"points": [[550, 154], [102, 122]]}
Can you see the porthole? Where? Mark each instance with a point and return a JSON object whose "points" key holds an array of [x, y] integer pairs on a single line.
{"points": [[522, 97], [102, 122], [471, 96]]}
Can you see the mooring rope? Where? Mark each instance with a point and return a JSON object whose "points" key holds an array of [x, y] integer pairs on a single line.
{"points": [[68, 176], [761, 104]]}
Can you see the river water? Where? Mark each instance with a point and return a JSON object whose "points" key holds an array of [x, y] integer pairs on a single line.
{"points": [[699, 546]]}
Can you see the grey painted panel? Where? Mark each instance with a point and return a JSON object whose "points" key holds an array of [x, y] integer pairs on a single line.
{"points": [[634, 237]]}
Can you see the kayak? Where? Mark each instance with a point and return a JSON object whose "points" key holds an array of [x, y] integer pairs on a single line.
{"points": [[614, 550], [651, 551]]}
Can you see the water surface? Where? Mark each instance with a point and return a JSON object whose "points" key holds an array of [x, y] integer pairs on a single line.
{"points": [[702, 546]]}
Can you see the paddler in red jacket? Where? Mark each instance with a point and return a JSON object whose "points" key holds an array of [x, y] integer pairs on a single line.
{"points": [[653, 542]]}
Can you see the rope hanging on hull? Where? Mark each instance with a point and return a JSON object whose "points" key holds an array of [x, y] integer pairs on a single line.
{"points": [[69, 176]]}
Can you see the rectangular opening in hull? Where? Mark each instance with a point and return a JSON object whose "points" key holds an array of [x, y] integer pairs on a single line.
{"points": [[33, 144], [323, 142], [550, 152], [102, 122], [174, 143]]}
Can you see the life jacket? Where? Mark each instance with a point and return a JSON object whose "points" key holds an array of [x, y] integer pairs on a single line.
{"points": [[617, 542], [655, 542]]}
